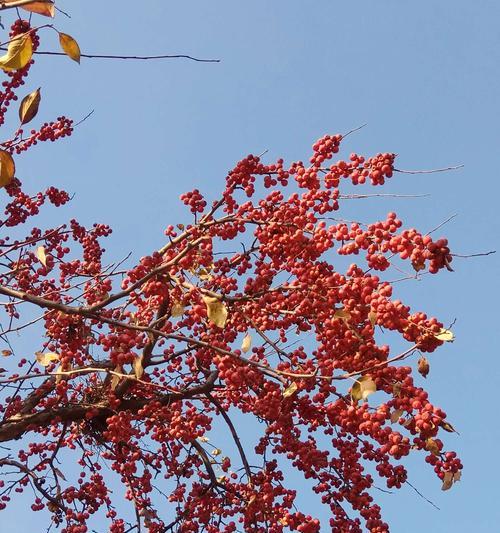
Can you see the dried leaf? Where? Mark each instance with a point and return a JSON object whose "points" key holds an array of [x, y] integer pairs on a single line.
{"points": [[432, 446], [42, 257], [70, 46], [203, 439], [216, 452], [445, 335], [423, 366], [116, 379], [46, 9], [448, 427], [19, 53], [396, 415], [177, 310], [396, 389], [46, 358], [457, 476], [290, 390], [363, 387], [29, 106], [59, 374], [7, 168], [247, 343], [342, 314], [6, 353], [138, 368], [216, 310], [447, 481], [59, 474], [372, 317]]}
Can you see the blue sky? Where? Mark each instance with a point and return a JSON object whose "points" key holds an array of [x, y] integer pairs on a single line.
{"points": [[425, 78]]}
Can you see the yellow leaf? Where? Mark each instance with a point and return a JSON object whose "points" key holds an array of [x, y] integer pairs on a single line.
{"points": [[247, 343], [46, 358], [203, 439], [59, 374], [138, 368], [7, 168], [445, 335], [342, 314], [372, 317], [29, 107], [46, 9], [216, 311], [290, 390], [6, 353], [432, 446], [447, 481], [363, 387], [70, 46], [19, 52], [396, 415], [42, 257], [177, 310], [216, 452]]}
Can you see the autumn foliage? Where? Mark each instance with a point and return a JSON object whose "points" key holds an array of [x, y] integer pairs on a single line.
{"points": [[268, 310]]}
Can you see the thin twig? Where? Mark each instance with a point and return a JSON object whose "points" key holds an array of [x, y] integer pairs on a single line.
{"points": [[142, 58], [432, 171]]}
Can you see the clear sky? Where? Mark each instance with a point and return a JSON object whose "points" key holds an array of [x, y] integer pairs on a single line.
{"points": [[425, 78]]}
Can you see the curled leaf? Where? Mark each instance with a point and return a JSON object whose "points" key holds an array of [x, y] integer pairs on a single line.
{"points": [[396, 415], [116, 378], [372, 317], [70, 46], [138, 368], [423, 366], [19, 53], [216, 452], [363, 387], [432, 446], [447, 481], [342, 314], [46, 358], [448, 427], [177, 310], [290, 390], [247, 343], [216, 311], [41, 255], [445, 335], [29, 107], [7, 168], [6, 353], [46, 8]]}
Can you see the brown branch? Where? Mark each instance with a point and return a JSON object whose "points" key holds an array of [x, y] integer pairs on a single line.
{"points": [[15, 427]]}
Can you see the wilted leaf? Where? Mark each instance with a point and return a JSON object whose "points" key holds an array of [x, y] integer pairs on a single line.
{"points": [[42, 8], [216, 451], [70, 46], [432, 446], [342, 314], [247, 343], [372, 317], [363, 387], [7, 168], [46, 358], [447, 481], [19, 52], [396, 415], [138, 368], [59, 474], [42, 257], [216, 310], [396, 389], [116, 379], [457, 476], [6, 353], [59, 374], [29, 107], [177, 310], [448, 427], [445, 335], [423, 366], [203, 439], [290, 390]]}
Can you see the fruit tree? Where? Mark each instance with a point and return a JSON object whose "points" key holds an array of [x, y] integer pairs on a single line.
{"points": [[268, 309]]}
